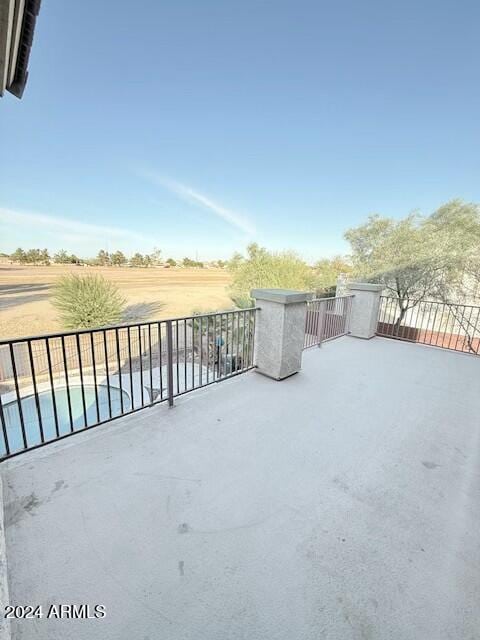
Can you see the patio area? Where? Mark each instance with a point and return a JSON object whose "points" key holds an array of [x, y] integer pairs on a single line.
{"points": [[341, 503]]}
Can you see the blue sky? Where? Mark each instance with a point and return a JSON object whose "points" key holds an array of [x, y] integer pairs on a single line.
{"points": [[198, 127]]}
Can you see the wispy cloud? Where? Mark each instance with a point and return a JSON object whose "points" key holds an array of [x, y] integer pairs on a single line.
{"points": [[194, 197], [66, 227]]}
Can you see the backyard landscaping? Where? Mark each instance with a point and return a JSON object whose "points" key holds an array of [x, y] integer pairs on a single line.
{"points": [[25, 294]]}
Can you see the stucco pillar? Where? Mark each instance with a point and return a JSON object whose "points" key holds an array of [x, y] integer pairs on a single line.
{"points": [[279, 331], [365, 304]]}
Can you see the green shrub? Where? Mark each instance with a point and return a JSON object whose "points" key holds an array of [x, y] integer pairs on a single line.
{"points": [[87, 301], [266, 269]]}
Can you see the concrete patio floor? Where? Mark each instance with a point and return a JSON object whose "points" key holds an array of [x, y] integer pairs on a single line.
{"points": [[342, 503]]}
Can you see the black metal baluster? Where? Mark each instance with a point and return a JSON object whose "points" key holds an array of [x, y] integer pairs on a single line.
{"points": [[52, 387], [170, 362], [215, 348], [435, 307], [177, 355], [193, 353], [107, 373], [250, 338], [67, 383], [252, 347], [453, 326], [82, 386], [132, 393], [185, 355], [94, 365], [208, 348], [227, 367], [201, 352], [4, 429], [465, 340], [221, 360], [35, 391], [231, 346], [19, 400], [119, 368], [140, 357], [475, 333], [244, 342], [238, 358], [159, 326], [150, 359]]}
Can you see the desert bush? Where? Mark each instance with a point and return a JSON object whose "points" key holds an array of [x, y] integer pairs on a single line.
{"points": [[265, 269], [87, 301]]}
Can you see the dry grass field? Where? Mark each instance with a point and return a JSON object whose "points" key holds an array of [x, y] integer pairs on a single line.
{"points": [[153, 293]]}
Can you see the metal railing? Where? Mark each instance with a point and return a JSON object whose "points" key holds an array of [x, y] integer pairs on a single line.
{"points": [[54, 385], [327, 318], [438, 324]]}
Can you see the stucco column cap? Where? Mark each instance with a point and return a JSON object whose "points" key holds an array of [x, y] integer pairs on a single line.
{"points": [[365, 286], [282, 296]]}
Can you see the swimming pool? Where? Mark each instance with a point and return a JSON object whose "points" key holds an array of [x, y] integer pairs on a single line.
{"points": [[47, 411]]}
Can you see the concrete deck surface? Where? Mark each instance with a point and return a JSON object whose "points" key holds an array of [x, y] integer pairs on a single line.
{"points": [[342, 503]]}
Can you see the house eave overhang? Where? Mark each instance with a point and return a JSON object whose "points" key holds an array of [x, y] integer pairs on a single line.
{"points": [[17, 26]]}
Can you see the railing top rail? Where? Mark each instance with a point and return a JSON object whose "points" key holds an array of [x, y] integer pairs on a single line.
{"points": [[450, 304], [61, 334], [350, 295]]}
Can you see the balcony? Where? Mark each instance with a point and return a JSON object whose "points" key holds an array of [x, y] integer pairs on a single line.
{"points": [[341, 503]]}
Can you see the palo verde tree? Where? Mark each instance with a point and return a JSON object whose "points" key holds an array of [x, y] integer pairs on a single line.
{"points": [[420, 257], [397, 254], [454, 233], [87, 301], [454, 230], [263, 268]]}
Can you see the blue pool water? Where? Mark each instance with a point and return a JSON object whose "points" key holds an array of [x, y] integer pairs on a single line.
{"points": [[30, 414]]}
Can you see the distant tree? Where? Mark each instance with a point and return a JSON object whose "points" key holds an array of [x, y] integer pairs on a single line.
{"points": [[118, 259], [188, 262], [32, 256], [265, 269], [61, 257], [147, 260], [87, 301], [37, 256], [221, 264], [103, 258], [235, 261], [156, 256], [44, 257], [172, 262], [137, 260], [19, 255]]}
